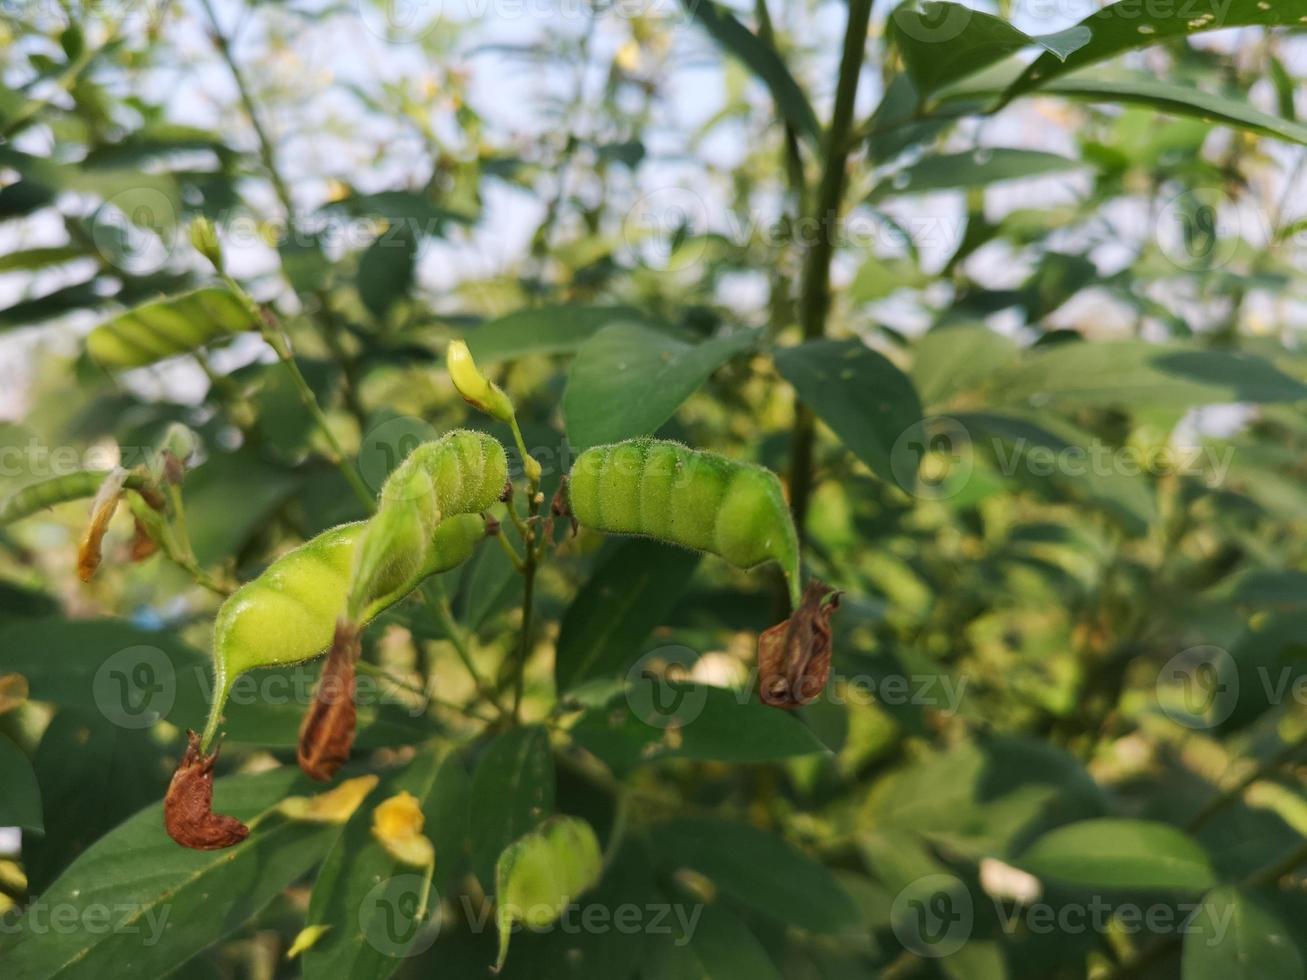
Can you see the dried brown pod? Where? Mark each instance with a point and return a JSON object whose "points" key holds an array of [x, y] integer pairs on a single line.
{"points": [[188, 808], [327, 733], [794, 656]]}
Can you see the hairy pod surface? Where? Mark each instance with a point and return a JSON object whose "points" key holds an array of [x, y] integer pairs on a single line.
{"points": [[288, 614], [696, 499], [463, 472]]}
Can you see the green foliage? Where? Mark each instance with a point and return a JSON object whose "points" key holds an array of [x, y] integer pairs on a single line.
{"points": [[982, 315]]}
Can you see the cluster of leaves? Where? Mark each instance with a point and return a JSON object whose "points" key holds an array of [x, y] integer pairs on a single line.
{"points": [[1024, 627]]}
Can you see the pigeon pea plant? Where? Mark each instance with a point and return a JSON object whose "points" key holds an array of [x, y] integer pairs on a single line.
{"points": [[694, 595]]}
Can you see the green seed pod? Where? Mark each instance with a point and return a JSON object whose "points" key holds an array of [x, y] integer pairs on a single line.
{"points": [[288, 614], [696, 499], [462, 472], [540, 874], [61, 489]]}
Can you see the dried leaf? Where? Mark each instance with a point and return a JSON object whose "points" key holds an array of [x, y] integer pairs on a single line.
{"points": [[794, 656], [188, 808], [327, 733]]}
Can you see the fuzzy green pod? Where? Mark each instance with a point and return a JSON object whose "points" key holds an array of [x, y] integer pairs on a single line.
{"points": [[288, 614], [541, 873], [696, 499], [462, 472]]}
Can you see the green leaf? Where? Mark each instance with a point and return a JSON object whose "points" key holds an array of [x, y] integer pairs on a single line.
{"points": [[628, 380], [39, 258], [20, 804], [1063, 460], [1113, 853], [978, 168], [631, 591], [758, 870], [1238, 936], [867, 401], [512, 792], [1128, 25], [1134, 373], [545, 330], [660, 719], [366, 897], [84, 756], [985, 798], [943, 42], [169, 327], [950, 360], [230, 496], [763, 60], [386, 269], [718, 947], [1183, 100], [131, 676], [166, 902]]}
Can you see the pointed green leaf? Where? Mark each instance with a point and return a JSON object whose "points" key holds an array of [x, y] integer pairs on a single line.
{"points": [[1113, 853], [168, 327]]}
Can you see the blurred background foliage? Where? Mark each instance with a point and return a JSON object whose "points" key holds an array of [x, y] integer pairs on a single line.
{"points": [[1057, 467]]}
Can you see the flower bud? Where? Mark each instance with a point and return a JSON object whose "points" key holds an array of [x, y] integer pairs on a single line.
{"points": [[477, 390], [204, 238]]}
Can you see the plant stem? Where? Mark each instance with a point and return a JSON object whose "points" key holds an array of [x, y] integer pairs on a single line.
{"points": [[814, 291], [528, 596], [279, 344], [383, 674], [327, 329], [444, 617], [1220, 802]]}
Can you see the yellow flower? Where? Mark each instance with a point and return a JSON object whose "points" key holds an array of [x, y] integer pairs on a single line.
{"points": [[334, 806], [477, 390], [628, 57], [397, 825]]}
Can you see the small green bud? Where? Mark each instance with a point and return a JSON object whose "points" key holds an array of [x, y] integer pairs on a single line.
{"points": [[204, 237]]}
